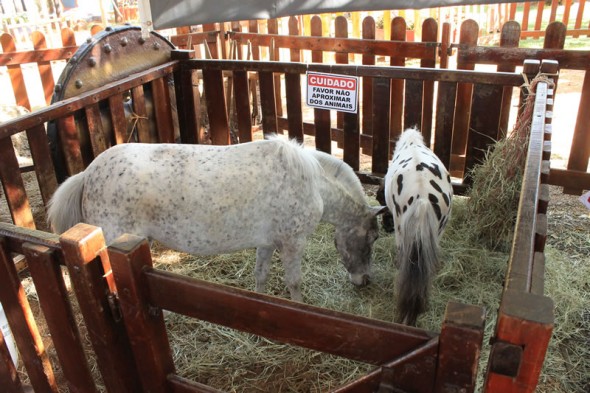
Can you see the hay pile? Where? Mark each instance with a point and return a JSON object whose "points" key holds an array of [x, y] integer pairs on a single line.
{"points": [[238, 362], [496, 182], [472, 274]]}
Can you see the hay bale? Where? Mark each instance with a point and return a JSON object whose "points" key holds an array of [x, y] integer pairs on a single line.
{"points": [[496, 182]]}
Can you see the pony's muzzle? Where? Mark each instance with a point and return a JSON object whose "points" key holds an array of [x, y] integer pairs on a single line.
{"points": [[360, 280]]}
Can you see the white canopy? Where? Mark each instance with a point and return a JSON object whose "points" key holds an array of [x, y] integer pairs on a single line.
{"points": [[162, 14]]}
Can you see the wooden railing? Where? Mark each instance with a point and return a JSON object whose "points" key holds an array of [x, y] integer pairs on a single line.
{"points": [[546, 14]]}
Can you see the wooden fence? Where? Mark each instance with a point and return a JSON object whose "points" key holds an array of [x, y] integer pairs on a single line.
{"points": [[412, 360], [507, 57], [546, 14], [430, 51]]}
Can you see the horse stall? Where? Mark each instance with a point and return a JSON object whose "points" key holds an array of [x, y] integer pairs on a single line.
{"points": [[123, 300]]}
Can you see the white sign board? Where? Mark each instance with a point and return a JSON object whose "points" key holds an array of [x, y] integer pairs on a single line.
{"points": [[331, 91]]}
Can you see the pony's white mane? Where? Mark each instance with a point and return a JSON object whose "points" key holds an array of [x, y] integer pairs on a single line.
{"points": [[296, 157], [334, 168], [411, 135]]}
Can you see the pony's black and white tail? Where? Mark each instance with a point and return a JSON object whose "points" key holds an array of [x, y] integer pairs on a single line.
{"points": [[417, 260], [65, 206]]}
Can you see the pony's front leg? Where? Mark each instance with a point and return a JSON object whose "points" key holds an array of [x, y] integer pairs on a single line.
{"points": [[291, 257], [263, 257]]}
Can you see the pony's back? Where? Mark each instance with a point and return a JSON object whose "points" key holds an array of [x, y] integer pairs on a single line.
{"points": [[418, 192]]}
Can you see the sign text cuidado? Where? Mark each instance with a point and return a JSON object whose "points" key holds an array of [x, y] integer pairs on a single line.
{"points": [[331, 91]]}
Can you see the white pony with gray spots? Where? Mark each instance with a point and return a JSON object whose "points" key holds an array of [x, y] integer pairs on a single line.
{"points": [[418, 192], [206, 200]]}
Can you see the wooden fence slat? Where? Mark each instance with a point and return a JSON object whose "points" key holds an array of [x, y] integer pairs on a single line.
{"points": [[351, 140], [268, 103], [16, 74], [53, 297], [130, 256], [294, 110], [293, 90], [553, 15], [579, 16], [539, 19], [41, 155], [45, 71], [273, 28], [211, 44], [483, 125], [468, 37], [22, 324], [9, 379], [69, 146], [14, 187], [140, 122], [321, 117], [381, 88], [398, 33], [368, 32], [555, 34], [87, 260], [163, 110], [525, 15], [340, 31], [68, 38], [242, 102], [253, 28], [118, 120], [580, 148], [218, 120], [429, 34], [188, 101], [98, 140], [509, 38], [445, 115]]}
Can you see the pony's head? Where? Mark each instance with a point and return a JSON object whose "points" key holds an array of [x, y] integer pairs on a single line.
{"points": [[355, 245]]}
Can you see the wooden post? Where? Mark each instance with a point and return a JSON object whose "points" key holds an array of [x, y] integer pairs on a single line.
{"points": [[459, 348], [130, 257], [89, 266], [523, 331]]}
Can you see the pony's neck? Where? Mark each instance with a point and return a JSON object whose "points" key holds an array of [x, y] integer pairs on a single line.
{"points": [[340, 207]]}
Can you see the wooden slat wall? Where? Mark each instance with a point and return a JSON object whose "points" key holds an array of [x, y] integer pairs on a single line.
{"points": [[523, 306], [576, 177]]}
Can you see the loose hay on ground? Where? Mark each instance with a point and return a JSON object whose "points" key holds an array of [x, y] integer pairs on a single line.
{"points": [[472, 274], [236, 361]]}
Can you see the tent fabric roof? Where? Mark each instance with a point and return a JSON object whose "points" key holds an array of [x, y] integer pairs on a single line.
{"points": [[162, 14]]}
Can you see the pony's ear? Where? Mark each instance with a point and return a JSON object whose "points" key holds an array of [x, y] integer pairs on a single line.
{"points": [[376, 210]]}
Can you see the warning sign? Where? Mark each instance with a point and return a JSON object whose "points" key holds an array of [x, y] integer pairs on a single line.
{"points": [[330, 91]]}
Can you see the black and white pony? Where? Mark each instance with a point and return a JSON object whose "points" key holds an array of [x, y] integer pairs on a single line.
{"points": [[418, 192]]}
